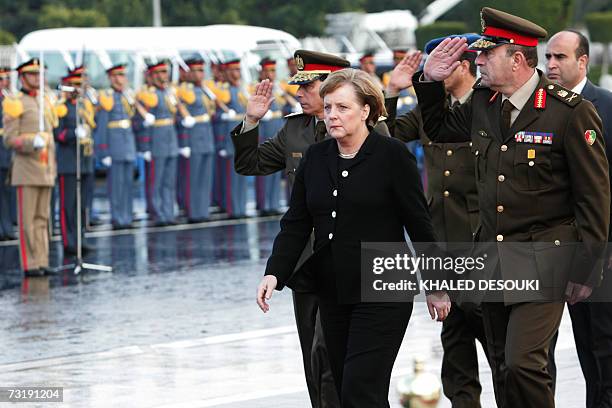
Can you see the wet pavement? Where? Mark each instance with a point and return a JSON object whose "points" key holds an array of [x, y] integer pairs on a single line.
{"points": [[175, 325]]}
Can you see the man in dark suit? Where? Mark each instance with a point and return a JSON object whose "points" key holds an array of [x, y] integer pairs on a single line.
{"points": [[567, 60], [542, 179]]}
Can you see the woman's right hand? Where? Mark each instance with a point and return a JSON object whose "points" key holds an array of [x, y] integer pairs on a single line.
{"points": [[264, 291]]}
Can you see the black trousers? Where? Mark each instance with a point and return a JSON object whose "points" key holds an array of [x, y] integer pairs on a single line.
{"points": [[592, 326], [460, 379], [363, 341], [319, 378]]}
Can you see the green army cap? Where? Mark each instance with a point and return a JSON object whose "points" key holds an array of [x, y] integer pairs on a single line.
{"points": [[499, 28], [312, 65]]}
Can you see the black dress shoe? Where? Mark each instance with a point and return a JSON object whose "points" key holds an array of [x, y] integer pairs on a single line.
{"points": [[32, 273]]}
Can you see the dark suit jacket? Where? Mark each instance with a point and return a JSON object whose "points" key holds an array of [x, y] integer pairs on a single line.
{"points": [[379, 196]]}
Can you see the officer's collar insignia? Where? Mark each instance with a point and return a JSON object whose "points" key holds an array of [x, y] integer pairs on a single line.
{"points": [[590, 136], [540, 99], [562, 93]]}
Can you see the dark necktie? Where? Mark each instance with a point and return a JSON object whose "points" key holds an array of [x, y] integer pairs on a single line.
{"points": [[320, 131], [507, 107]]}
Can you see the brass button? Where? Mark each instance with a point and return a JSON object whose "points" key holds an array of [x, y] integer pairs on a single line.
{"points": [[501, 178], [557, 242], [476, 153], [330, 235], [504, 148], [335, 193], [446, 194], [500, 208], [344, 173], [500, 238], [333, 214], [449, 152], [531, 163], [470, 144], [430, 143], [447, 173]]}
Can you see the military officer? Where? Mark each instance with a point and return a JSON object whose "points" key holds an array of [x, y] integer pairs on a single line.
{"points": [[453, 203], [76, 123], [367, 64], [199, 139], [162, 102], [542, 177], [406, 99], [33, 170], [7, 192], [267, 188], [233, 185], [142, 126], [117, 144]]}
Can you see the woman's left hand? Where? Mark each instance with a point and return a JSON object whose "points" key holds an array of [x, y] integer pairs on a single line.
{"points": [[264, 291], [438, 304]]}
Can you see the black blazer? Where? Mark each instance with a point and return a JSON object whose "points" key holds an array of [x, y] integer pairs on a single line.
{"points": [[379, 196]]}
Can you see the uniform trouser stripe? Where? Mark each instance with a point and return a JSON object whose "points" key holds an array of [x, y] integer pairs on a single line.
{"points": [[63, 211], [22, 237]]}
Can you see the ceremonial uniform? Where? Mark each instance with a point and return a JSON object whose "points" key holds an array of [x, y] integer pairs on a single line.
{"points": [[163, 147], [542, 179], [76, 123], [198, 167], [116, 140], [406, 100], [7, 192], [33, 171]]}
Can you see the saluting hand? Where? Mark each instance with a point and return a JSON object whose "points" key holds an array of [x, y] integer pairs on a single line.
{"points": [[443, 60], [401, 76], [438, 304], [259, 102], [265, 290]]}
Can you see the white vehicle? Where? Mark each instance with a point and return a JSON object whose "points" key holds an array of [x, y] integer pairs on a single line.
{"points": [[103, 47]]}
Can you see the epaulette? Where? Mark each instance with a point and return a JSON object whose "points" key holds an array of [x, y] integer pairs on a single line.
{"points": [[106, 100], [186, 93], [61, 109], [148, 97], [294, 115], [565, 95], [12, 105]]}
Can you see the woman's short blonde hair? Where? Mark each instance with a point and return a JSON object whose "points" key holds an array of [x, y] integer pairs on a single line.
{"points": [[367, 92]]}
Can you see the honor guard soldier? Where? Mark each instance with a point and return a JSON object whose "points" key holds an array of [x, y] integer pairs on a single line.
{"points": [[367, 64], [453, 203], [161, 101], [267, 188], [220, 87], [141, 124], [290, 90], [76, 123], [283, 152], [233, 186], [7, 192], [406, 99], [542, 179], [117, 144], [33, 170], [198, 138]]}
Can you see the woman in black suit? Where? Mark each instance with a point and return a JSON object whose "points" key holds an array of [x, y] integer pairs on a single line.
{"points": [[356, 187]]}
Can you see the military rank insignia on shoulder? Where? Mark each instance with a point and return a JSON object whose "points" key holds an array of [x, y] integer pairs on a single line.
{"points": [[294, 115], [106, 100], [565, 95], [12, 105]]}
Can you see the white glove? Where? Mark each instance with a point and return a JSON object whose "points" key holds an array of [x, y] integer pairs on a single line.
{"points": [[149, 119], [188, 122], [185, 151], [107, 161], [223, 153], [38, 142], [147, 156], [80, 132], [229, 115], [267, 116]]}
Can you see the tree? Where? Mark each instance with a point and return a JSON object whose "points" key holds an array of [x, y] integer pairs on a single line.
{"points": [[6, 38], [60, 16], [599, 30]]}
